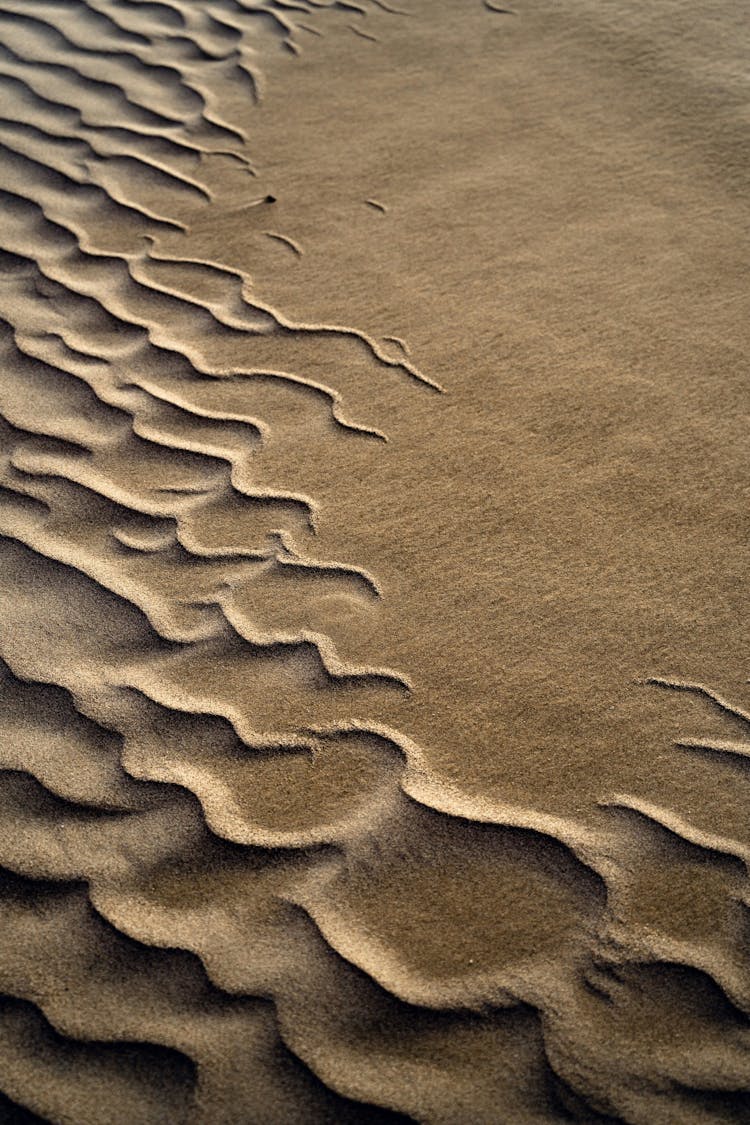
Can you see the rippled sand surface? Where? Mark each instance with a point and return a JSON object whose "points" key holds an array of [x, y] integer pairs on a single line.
{"points": [[374, 714]]}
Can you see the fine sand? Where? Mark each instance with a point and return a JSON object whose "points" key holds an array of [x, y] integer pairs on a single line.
{"points": [[374, 714]]}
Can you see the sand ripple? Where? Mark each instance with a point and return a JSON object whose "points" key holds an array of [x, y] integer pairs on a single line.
{"points": [[228, 892]]}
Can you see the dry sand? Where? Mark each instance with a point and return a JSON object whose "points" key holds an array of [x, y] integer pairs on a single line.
{"points": [[374, 562]]}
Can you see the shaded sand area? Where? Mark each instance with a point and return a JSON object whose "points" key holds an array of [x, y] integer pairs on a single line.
{"points": [[373, 564]]}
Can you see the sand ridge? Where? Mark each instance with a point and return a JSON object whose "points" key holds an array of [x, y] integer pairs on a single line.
{"points": [[286, 836]]}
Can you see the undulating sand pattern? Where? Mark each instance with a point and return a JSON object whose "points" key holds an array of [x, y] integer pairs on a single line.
{"points": [[374, 566]]}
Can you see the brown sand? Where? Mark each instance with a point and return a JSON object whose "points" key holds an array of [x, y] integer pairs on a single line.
{"points": [[374, 562]]}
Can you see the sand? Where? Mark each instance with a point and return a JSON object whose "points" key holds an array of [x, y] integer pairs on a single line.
{"points": [[373, 562]]}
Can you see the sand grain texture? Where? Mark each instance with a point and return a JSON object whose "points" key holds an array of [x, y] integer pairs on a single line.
{"points": [[373, 561]]}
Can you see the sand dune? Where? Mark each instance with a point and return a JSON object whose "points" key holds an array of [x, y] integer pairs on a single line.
{"points": [[373, 556]]}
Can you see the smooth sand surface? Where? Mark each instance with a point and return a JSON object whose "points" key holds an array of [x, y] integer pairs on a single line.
{"points": [[373, 561]]}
